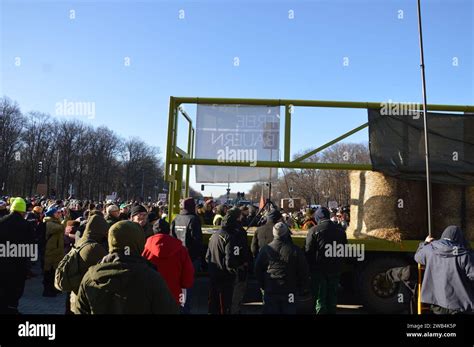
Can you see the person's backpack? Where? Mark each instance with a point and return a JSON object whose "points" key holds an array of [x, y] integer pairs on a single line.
{"points": [[67, 277]]}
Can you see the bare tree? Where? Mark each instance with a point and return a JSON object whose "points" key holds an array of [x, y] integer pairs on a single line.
{"points": [[36, 140], [68, 154], [11, 124]]}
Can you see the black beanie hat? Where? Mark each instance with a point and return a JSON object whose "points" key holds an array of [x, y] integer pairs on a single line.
{"points": [[161, 227], [231, 217], [137, 209]]}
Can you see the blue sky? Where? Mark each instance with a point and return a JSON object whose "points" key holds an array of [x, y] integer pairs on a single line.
{"points": [[82, 59]]}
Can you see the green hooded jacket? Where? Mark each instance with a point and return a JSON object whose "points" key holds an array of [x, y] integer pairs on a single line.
{"points": [[91, 254], [124, 282]]}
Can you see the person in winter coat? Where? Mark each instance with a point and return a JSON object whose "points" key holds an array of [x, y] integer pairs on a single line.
{"points": [[124, 282], [40, 235], [124, 212], [83, 220], [95, 234], [264, 234], [243, 252], [54, 249], [220, 213], [172, 261], [16, 231], [201, 212], [245, 215], [406, 277], [325, 268], [208, 213], [112, 215], [282, 272], [309, 220], [223, 263], [139, 215], [37, 219], [161, 226], [152, 219], [448, 280], [93, 244], [33, 218], [70, 235], [186, 227]]}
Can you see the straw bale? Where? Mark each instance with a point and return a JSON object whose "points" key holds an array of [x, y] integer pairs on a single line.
{"points": [[387, 208], [447, 207]]}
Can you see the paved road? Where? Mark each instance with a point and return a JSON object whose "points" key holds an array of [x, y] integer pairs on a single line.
{"points": [[33, 302]]}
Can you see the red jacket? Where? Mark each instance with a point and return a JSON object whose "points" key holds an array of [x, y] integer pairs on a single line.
{"points": [[172, 261]]}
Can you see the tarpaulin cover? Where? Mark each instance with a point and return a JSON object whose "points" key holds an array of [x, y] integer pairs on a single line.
{"points": [[397, 146]]}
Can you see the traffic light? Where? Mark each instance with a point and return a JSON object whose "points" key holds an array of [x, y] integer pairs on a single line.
{"points": [[40, 167]]}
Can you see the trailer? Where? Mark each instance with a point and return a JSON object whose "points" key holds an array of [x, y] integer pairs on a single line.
{"points": [[366, 277]]}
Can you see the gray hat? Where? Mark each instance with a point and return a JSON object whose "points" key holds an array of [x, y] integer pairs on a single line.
{"points": [[280, 230], [112, 208]]}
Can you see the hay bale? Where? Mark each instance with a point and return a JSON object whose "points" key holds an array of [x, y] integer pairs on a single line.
{"points": [[387, 208], [375, 212], [447, 207]]}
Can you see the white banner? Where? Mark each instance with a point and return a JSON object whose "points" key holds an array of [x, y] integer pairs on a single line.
{"points": [[162, 197], [237, 133]]}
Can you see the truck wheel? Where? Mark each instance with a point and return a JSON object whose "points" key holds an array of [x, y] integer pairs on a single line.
{"points": [[377, 294]]}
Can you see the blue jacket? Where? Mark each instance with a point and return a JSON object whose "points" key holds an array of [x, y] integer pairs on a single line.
{"points": [[448, 280]]}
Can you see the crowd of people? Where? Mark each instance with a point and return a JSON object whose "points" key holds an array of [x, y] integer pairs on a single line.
{"points": [[127, 258], [211, 213]]}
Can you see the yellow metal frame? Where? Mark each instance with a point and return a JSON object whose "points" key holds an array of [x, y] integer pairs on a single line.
{"points": [[176, 157]]}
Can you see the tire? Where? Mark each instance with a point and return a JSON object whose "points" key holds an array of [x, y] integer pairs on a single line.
{"points": [[378, 296]]}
